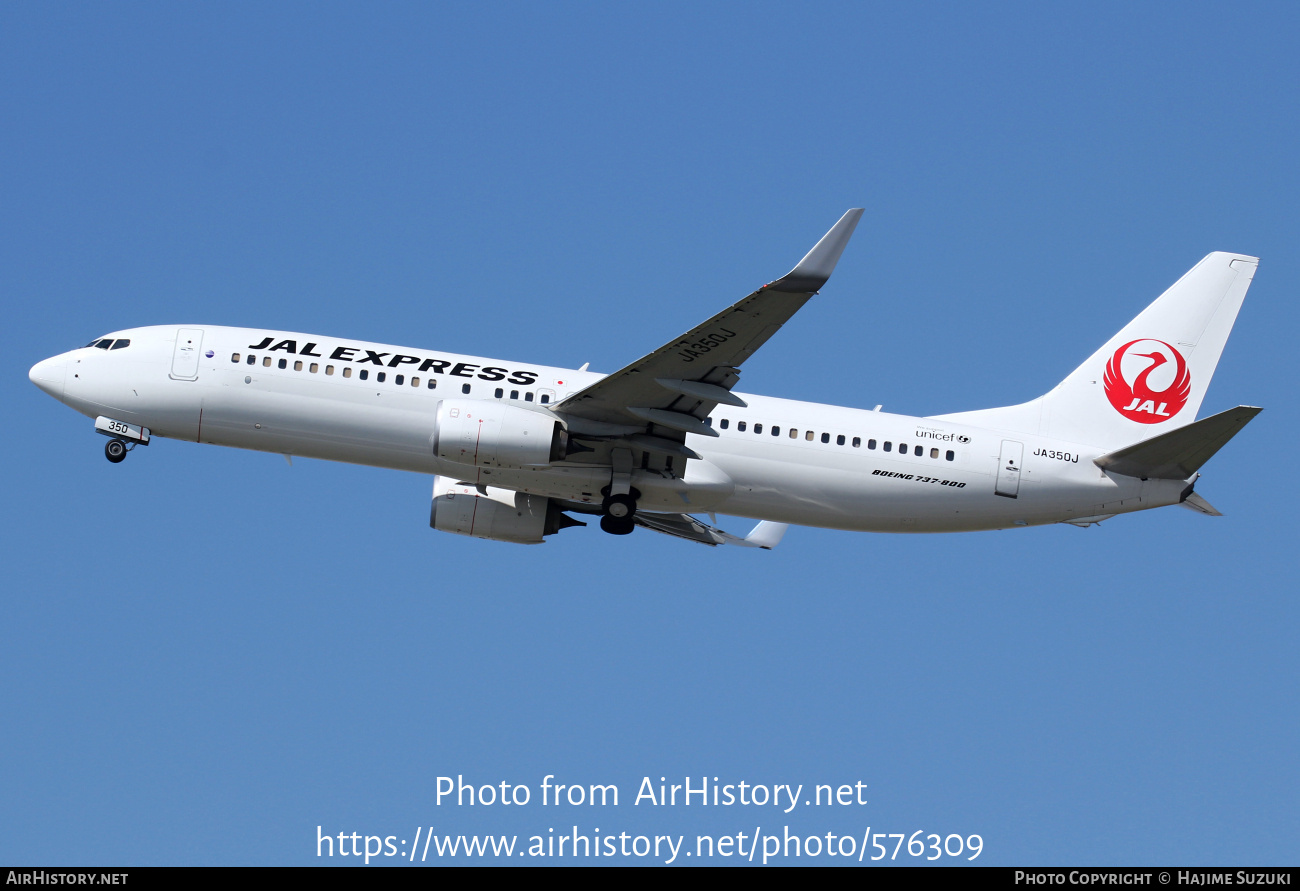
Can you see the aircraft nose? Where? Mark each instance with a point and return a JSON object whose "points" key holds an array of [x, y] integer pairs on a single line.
{"points": [[49, 375]]}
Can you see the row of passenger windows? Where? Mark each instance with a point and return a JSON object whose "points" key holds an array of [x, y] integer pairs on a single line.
{"points": [[544, 398], [108, 343], [380, 376], [840, 439], [362, 374]]}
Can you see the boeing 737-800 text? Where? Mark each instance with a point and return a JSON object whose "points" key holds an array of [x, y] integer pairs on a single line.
{"points": [[515, 449]]}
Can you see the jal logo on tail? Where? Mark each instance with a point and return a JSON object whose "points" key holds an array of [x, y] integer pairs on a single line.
{"points": [[1148, 364]]}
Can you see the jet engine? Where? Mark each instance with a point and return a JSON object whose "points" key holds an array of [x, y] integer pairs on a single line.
{"points": [[490, 434], [498, 515]]}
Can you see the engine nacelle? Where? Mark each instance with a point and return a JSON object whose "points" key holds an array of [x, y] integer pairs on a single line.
{"points": [[490, 434], [500, 515]]}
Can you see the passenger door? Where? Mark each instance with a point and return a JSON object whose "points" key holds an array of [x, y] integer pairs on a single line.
{"points": [[185, 358], [1009, 462]]}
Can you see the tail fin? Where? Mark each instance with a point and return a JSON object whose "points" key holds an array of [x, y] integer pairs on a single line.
{"points": [[1149, 378]]}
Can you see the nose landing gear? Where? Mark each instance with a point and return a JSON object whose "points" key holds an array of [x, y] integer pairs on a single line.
{"points": [[122, 437]]}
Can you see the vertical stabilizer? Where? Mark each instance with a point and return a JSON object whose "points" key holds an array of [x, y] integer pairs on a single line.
{"points": [[1149, 378]]}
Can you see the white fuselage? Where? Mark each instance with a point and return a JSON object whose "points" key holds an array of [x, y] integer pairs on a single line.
{"points": [[841, 468]]}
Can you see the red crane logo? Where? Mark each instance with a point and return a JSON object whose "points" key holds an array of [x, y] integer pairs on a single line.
{"points": [[1139, 402]]}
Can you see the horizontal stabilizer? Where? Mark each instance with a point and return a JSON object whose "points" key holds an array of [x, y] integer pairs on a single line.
{"points": [[1178, 454], [1200, 505]]}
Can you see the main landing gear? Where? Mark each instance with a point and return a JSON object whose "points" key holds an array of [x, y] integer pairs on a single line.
{"points": [[619, 507], [617, 512]]}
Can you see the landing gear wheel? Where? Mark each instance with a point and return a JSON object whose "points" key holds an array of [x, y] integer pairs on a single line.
{"points": [[617, 527], [619, 507], [115, 451]]}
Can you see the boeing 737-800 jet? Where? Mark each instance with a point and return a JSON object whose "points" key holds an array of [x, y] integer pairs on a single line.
{"points": [[516, 448]]}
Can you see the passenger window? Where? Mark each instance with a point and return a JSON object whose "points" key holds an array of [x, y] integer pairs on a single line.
{"points": [[740, 425], [949, 455], [381, 376], [464, 388], [871, 443], [545, 398], [758, 428], [123, 344], [329, 369], [266, 361], [514, 394], [888, 446], [839, 440], [528, 397], [313, 368], [347, 372], [857, 442], [433, 383], [826, 437], [918, 451], [284, 363], [776, 431], [364, 373], [808, 436], [794, 434], [415, 382], [234, 357], [297, 366], [708, 422], [934, 453], [902, 448], [252, 360], [500, 392], [723, 423], [399, 379]]}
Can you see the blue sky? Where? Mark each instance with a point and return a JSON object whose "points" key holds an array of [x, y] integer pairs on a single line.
{"points": [[209, 653]]}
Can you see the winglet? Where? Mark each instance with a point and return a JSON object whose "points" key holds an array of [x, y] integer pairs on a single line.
{"points": [[767, 534], [816, 267]]}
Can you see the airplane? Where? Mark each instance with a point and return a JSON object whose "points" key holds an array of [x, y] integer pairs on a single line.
{"points": [[517, 451]]}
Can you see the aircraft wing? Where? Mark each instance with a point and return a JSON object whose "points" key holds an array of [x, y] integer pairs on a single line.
{"points": [[668, 393], [766, 535]]}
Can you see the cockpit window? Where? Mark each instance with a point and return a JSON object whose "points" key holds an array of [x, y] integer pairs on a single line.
{"points": [[103, 344], [120, 344]]}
